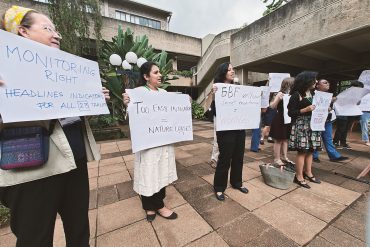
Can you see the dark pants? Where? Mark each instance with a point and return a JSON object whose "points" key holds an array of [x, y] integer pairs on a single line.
{"points": [[154, 202], [343, 125], [34, 207], [231, 145]]}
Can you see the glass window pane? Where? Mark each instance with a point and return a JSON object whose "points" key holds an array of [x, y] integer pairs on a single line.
{"points": [[132, 19], [137, 20]]}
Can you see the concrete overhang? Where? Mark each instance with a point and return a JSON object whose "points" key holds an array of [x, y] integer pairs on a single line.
{"points": [[328, 36]]}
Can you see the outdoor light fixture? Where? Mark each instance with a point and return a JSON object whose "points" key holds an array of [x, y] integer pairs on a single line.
{"points": [[131, 57], [141, 61], [115, 60]]}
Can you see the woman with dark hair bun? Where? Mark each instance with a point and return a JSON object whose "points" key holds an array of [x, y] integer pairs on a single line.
{"points": [[302, 138], [154, 168], [231, 144]]}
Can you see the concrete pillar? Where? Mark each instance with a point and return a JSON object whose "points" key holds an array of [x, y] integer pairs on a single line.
{"points": [[174, 63]]}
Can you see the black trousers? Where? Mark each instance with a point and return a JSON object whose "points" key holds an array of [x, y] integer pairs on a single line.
{"points": [[154, 202], [343, 125], [34, 207], [231, 145]]}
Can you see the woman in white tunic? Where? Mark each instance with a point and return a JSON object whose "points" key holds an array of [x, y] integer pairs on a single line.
{"points": [[154, 168]]}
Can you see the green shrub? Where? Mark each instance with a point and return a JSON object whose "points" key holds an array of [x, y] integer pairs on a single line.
{"points": [[4, 215], [103, 121], [197, 110]]}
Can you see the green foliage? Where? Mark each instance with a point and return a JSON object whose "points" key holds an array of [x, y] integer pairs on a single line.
{"points": [[197, 110], [103, 121], [4, 215], [117, 82], [184, 73], [275, 4], [73, 20]]}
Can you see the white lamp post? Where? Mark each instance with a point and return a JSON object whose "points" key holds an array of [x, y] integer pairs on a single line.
{"points": [[131, 57], [115, 60]]}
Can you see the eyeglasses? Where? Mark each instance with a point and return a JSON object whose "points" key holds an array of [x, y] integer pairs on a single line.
{"points": [[48, 29], [51, 30]]}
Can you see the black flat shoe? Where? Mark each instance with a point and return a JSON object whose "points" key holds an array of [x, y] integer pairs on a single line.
{"points": [[150, 217], [242, 189], [301, 183], [316, 160], [220, 197], [171, 217], [312, 179]]}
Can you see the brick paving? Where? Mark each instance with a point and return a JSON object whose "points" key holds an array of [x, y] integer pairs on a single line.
{"points": [[330, 214]]}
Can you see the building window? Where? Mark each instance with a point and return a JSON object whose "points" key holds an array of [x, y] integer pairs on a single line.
{"points": [[41, 1], [143, 21]]}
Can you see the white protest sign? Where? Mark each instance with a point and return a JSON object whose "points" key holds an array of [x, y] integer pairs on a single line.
{"points": [[42, 82], [287, 119], [321, 101], [157, 120], [346, 103], [237, 107], [265, 99], [365, 103], [365, 78], [275, 80]]}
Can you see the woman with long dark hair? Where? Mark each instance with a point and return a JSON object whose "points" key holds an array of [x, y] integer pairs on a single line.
{"points": [[231, 144], [302, 138], [154, 168]]}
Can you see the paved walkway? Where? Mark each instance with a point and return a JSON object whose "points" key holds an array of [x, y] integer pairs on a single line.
{"points": [[330, 214]]}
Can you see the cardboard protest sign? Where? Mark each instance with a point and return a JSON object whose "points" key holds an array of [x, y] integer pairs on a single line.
{"points": [[157, 120], [321, 101], [237, 107], [275, 80], [42, 82]]}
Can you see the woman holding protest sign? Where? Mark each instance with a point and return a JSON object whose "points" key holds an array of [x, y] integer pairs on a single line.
{"points": [[231, 144], [279, 130], [327, 135], [154, 168], [60, 185], [302, 138]]}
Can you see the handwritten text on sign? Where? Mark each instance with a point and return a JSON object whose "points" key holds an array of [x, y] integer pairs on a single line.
{"points": [[42, 82], [157, 120], [237, 107], [321, 101]]}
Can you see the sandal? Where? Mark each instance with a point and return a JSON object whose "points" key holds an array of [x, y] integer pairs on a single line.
{"points": [[301, 183], [213, 164], [288, 161], [312, 179]]}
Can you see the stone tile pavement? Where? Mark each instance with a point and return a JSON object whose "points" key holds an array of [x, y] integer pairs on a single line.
{"points": [[330, 214]]}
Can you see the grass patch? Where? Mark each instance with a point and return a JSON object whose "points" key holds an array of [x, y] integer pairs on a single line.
{"points": [[4, 215]]}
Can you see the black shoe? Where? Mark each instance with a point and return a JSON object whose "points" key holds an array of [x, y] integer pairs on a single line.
{"points": [[171, 217], [242, 189], [316, 160], [341, 158], [220, 197], [300, 183], [262, 142], [150, 217], [312, 179], [270, 140], [346, 146], [336, 144]]}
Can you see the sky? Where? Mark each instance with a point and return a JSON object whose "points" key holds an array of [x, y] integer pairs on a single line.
{"points": [[198, 18]]}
